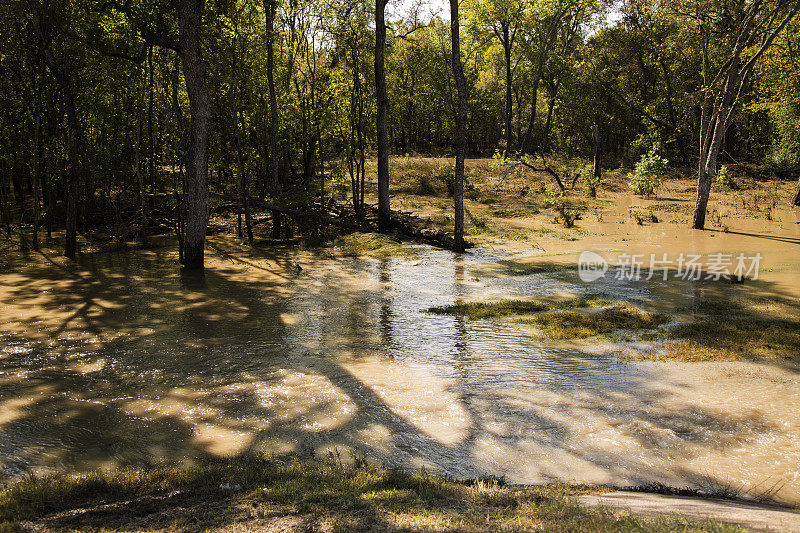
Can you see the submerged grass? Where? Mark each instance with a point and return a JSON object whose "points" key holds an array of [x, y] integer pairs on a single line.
{"points": [[478, 310], [731, 330], [306, 493], [372, 245], [575, 318], [577, 325]]}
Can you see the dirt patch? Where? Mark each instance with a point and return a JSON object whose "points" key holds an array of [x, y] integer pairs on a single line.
{"points": [[749, 515]]}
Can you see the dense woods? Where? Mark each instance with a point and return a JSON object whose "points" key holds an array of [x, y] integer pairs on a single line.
{"points": [[109, 107]]}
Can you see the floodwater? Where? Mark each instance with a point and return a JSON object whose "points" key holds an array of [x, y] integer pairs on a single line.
{"points": [[123, 361]]}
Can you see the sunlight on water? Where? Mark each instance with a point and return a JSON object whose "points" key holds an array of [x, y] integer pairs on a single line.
{"points": [[124, 362]]}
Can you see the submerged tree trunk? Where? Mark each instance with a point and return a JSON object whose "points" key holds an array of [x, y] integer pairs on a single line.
{"points": [[194, 72], [384, 220], [461, 127]]}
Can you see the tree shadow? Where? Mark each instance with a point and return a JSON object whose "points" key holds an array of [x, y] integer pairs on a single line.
{"points": [[126, 362]]}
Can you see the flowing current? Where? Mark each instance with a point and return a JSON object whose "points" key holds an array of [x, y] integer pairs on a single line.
{"points": [[122, 361]]}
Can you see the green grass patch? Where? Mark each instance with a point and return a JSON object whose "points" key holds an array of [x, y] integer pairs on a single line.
{"points": [[575, 318], [730, 338], [479, 310], [372, 245], [571, 324], [730, 330], [306, 493], [676, 208]]}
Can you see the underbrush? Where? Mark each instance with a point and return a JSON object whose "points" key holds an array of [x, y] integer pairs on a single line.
{"points": [[372, 245]]}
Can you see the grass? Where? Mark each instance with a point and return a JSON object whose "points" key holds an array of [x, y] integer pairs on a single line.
{"points": [[372, 245], [570, 324], [731, 330], [480, 310], [310, 494], [726, 338], [575, 318]]}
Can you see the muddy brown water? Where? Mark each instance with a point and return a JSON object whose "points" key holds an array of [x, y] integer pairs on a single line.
{"points": [[122, 361]]}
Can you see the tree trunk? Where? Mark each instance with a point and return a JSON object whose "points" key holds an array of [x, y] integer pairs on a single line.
{"points": [[509, 95], [194, 72], [796, 200], [544, 52], [384, 220], [35, 177], [72, 176], [461, 127], [137, 158], [271, 8], [74, 132], [597, 165]]}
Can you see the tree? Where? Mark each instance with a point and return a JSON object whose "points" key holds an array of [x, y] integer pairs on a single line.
{"points": [[270, 10], [381, 119], [461, 126], [47, 28], [503, 19], [777, 87], [743, 31]]}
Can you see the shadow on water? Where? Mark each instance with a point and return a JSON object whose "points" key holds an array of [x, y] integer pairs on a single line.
{"points": [[126, 361]]}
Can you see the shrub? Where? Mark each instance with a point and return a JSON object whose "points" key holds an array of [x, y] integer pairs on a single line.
{"points": [[725, 179], [567, 213], [646, 177], [340, 181], [591, 182], [784, 154]]}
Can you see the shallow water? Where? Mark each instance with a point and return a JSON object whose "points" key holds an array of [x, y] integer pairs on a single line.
{"points": [[123, 361]]}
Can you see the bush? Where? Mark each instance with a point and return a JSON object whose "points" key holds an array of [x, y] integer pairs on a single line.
{"points": [[646, 177], [567, 213], [591, 182], [340, 181], [784, 154], [725, 179]]}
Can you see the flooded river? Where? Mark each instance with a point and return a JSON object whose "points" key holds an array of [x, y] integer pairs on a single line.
{"points": [[123, 361]]}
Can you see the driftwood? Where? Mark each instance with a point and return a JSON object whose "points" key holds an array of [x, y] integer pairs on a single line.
{"points": [[291, 212], [403, 224]]}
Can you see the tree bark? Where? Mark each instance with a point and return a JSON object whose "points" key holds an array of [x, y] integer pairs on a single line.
{"points": [[35, 177], [384, 218], [461, 127], [597, 165], [506, 37], [74, 133], [271, 8], [796, 200], [194, 73]]}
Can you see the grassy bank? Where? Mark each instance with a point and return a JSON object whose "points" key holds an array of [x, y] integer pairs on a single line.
{"points": [[305, 494]]}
